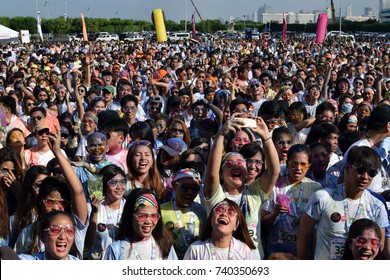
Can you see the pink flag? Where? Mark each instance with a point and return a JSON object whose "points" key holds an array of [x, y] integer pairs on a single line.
{"points": [[193, 27], [284, 29], [85, 35], [322, 22]]}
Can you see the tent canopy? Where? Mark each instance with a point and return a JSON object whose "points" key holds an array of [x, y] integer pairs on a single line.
{"points": [[7, 33]]}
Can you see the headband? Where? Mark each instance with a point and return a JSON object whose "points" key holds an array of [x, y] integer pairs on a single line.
{"points": [[145, 200]]}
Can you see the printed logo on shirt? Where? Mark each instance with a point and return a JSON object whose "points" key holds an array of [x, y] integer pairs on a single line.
{"points": [[335, 217]]}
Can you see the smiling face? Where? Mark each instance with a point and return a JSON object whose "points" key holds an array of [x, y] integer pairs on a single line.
{"points": [[362, 250], [97, 149], [224, 220], [186, 191], [58, 246], [234, 172], [142, 159], [144, 229], [240, 139], [254, 166]]}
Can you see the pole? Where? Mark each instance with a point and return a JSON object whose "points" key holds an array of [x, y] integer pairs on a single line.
{"points": [[185, 22], [340, 16], [244, 21]]}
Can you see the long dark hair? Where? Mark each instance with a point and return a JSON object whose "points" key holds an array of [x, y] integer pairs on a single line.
{"points": [[27, 207], [160, 233], [356, 229], [46, 221], [241, 232]]}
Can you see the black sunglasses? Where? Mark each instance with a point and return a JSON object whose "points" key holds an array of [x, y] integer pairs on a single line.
{"points": [[43, 131], [360, 170]]}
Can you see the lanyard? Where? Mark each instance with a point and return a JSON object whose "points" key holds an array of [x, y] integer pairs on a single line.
{"points": [[138, 256], [184, 236], [346, 211], [231, 250]]}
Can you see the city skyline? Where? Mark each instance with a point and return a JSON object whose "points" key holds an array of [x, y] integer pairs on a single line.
{"points": [[175, 10]]}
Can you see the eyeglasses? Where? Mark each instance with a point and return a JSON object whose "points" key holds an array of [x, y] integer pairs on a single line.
{"points": [[113, 182], [229, 163], [256, 162], [5, 170], [202, 150], [36, 118], [369, 79], [363, 110], [245, 111], [30, 104], [16, 136], [199, 110], [360, 241], [177, 130], [143, 216], [141, 142], [129, 109], [360, 170], [55, 230], [92, 149], [358, 84], [225, 207], [284, 143], [255, 85], [296, 164], [49, 202], [271, 122], [238, 140], [43, 131], [87, 121], [192, 188]]}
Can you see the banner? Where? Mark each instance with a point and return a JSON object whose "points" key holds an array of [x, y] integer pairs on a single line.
{"points": [[322, 22], [193, 27], [284, 29], [25, 36], [39, 27], [84, 28]]}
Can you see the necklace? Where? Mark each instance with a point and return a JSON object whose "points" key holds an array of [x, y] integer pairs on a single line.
{"points": [[231, 250], [138, 256]]}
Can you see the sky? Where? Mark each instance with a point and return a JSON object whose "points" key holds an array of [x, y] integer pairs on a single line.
{"points": [[175, 10]]}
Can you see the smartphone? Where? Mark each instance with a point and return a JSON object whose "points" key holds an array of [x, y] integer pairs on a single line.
{"points": [[248, 122]]}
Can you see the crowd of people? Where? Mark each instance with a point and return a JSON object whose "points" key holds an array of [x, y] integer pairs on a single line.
{"points": [[198, 150]]}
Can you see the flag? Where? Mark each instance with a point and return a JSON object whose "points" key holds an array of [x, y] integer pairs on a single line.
{"points": [[39, 27], [322, 23], [284, 29], [193, 27], [84, 27]]}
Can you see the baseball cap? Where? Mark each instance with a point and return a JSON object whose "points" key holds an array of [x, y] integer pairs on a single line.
{"points": [[156, 99], [186, 173], [174, 147], [108, 89]]}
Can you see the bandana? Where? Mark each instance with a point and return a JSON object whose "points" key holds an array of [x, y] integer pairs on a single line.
{"points": [[145, 200]]}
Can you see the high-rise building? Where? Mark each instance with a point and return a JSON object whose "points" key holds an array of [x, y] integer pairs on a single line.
{"points": [[384, 10], [348, 12]]}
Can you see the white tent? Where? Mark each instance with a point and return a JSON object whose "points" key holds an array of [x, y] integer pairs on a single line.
{"points": [[7, 33]]}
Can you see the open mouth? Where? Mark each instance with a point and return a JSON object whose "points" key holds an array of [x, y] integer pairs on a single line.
{"points": [[222, 221]]}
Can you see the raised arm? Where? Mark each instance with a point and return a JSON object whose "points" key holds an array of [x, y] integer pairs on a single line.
{"points": [[268, 179], [79, 202], [211, 181]]}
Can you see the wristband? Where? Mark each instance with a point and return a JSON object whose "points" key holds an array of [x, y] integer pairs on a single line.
{"points": [[266, 139]]}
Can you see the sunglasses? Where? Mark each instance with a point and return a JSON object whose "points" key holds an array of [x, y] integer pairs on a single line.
{"points": [[192, 188], [177, 130], [113, 182], [43, 131], [143, 216], [49, 202], [16, 136], [225, 207], [202, 150], [271, 122], [296, 164], [360, 170], [255, 85], [129, 109], [284, 143], [360, 241], [238, 140], [30, 104], [369, 79], [358, 84], [36, 118], [201, 77], [256, 162], [141, 142], [92, 149], [55, 230], [245, 111], [229, 163], [138, 82], [363, 110], [64, 135], [199, 110], [5, 170], [86, 121]]}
